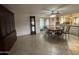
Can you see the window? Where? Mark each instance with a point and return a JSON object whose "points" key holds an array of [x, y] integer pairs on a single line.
{"points": [[47, 22], [77, 20]]}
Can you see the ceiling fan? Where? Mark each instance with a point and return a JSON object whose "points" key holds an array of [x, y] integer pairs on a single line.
{"points": [[50, 12], [56, 11]]}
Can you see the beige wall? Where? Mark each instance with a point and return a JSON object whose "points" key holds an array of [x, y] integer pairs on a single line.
{"points": [[22, 24], [70, 17]]}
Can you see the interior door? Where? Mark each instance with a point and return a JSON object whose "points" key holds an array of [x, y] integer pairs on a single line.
{"points": [[32, 25]]}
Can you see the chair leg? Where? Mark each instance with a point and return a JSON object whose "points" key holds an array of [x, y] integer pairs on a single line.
{"points": [[65, 37], [62, 36], [68, 36]]}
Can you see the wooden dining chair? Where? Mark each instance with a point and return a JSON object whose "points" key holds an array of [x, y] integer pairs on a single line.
{"points": [[65, 31], [50, 34]]}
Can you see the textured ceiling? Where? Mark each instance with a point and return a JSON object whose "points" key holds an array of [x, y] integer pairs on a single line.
{"points": [[41, 8]]}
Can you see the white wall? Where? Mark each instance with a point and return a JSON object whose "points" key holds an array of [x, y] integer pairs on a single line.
{"points": [[22, 24]]}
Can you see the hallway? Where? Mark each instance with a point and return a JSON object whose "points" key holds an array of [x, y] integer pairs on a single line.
{"points": [[39, 45]]}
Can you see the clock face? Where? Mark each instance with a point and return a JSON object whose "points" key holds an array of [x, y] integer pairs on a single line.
{"points": [[33, 29], [32, 21]]}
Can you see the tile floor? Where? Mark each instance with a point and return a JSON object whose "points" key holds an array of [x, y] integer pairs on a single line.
{"points": [[40, 45]]}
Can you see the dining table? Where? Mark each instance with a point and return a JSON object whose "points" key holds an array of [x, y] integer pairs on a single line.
{"points": [[54, 31], [55, 28]]}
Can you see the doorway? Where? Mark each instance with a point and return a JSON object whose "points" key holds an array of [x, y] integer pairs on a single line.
{"points": [[44, 23]]}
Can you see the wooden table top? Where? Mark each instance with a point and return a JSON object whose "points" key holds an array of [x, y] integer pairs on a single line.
{"points": [[54, 28]]}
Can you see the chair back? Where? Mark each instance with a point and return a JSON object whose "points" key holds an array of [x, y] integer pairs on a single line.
{"points": [[67, 28]]}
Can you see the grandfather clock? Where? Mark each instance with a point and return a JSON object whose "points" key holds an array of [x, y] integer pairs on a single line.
{"points": [[32, 25]]}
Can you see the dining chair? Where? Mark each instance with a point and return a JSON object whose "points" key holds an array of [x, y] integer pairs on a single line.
{"points": [[49, 33], [58, 34], [65, 31]]}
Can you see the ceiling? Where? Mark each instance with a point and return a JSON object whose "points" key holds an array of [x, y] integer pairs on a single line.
{"points": [[42, 8]]}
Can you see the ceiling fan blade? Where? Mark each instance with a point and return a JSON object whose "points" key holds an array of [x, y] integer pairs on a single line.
{"points": [[55, 11], [44, 13], [61, 7]]}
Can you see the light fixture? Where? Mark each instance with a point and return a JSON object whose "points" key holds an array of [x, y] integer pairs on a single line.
{"points": [[53, 16], [71, 16]]}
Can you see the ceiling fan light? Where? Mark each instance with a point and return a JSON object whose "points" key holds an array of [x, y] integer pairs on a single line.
{"points": [[53, 16]]}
